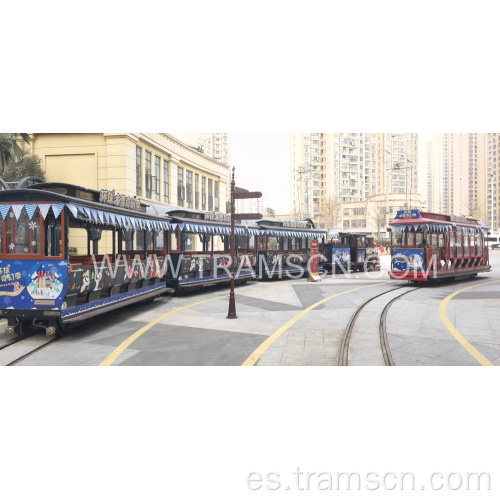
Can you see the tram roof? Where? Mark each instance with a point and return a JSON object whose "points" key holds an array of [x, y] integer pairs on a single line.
{"points": [[73, 194], [421, 217]]}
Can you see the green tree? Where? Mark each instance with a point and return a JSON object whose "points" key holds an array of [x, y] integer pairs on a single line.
{"points": [[10, 148], [24, 165], [271, 212]]}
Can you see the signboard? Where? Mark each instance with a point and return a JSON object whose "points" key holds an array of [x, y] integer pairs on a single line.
{"points": [[408, 259], [119, 200], [341, 256], [314, 260], [247, 217], [408, 214], [361, 255], [295, 224], [217, 217], [247, 195], [33, 284]]}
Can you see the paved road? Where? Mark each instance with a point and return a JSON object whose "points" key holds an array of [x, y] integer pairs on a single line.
{"points": [[201, 334]]}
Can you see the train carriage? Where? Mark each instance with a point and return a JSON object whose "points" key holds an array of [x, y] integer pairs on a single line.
{"points": [[199, 248], [427, 246], [69, 253], [283, 246], [351, 252]]}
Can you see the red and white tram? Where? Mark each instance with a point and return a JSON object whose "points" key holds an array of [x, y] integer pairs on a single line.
{"points": [[427, 246]]}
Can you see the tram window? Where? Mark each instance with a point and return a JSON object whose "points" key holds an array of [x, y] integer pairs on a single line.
{"points": [[23, 234], [262, 241], [53, 238], [252, 242], [441, 239], [361, 241], [434, 240], [139, 240], [127, 239], [159, 240], [284, 244], [174, 240], [304, 244], [419, 238], [458, 244], [466, 246], [399, 237], [272, 243], [478, 245], [241, 242], [188, 242], [77, 241], [295, 243], [411, 239]]}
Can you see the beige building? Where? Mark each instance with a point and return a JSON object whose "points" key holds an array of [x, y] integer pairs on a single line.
{"points": [[153, 167]]}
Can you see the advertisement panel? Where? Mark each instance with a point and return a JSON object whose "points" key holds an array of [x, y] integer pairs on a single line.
{"points": [[32, 284], [408, 259], [361, 256], [341, 256]]}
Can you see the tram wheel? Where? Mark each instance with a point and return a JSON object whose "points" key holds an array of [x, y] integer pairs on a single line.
{"points": [[27, 329]]}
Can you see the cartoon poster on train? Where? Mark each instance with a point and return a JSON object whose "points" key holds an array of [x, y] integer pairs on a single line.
{"points": [[341, 256], [361, 255], [408, 259], [29, 284]]}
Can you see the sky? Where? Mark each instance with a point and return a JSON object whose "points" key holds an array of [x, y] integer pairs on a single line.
{"points": [[262, 162]]}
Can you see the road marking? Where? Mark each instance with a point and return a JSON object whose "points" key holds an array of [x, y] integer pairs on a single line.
{"points": [[126, 343], [254, 357], [451, 327], [3, 323]]}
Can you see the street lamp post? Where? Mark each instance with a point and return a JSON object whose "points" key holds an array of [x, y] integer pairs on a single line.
{"points": [[232, 303]]}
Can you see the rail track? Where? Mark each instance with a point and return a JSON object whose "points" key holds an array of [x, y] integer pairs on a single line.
{"points": [[373, 340], [19, 349]]}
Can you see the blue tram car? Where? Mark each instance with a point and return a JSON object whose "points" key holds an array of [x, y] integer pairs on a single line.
{"points": [[68, 253]]}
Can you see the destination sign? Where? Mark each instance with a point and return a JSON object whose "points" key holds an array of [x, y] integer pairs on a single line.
{"points": [[119, 200], [460, 219], [217, 217], [408, 214]]}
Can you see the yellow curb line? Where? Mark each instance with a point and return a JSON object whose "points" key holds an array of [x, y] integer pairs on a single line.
{"points": [[126, 343], [254, 357], [451, 327]]}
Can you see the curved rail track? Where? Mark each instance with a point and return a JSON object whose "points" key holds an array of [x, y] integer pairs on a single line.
{"points": [[383, 343]]}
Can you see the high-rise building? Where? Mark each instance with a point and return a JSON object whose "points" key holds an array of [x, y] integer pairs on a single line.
{"points": [[216, 145], [334, 169], [493, 181], [455, 166]]}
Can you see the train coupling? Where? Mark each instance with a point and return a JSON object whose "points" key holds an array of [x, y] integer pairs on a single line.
{"points": [[9, 330]]}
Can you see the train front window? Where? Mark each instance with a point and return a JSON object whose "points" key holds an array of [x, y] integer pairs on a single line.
{"points": [[23, 233], [411, 239]]}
